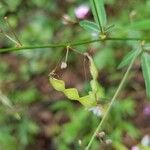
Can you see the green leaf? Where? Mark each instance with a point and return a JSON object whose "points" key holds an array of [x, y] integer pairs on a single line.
{"points": [[145, 62], [99, 13], [140, 25], [58, 85], [71, 93], [87, 101], [128, 58], [89, 26]]}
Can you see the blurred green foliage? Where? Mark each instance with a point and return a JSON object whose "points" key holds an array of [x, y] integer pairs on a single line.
{"points": [[39, 22]]}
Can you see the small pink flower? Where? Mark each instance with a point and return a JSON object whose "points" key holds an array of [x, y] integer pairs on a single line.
{"points": [[135, 148], [81, 11]]}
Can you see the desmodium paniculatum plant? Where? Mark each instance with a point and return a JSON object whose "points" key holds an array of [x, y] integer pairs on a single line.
{"points": [[92, 101]]}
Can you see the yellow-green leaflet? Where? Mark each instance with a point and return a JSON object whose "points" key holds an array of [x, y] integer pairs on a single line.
{"points": [[89, 100], [58, 85], [71, 93]]}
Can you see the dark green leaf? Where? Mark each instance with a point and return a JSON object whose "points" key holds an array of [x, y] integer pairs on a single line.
{"points": [[89, 26], [99, 13], [145, 61], [128, 58]]}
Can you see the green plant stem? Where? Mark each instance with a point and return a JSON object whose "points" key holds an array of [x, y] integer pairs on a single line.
{"points": [[112, 102], [83, 42]]}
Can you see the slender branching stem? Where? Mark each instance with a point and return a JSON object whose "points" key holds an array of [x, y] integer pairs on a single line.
{"points": [[122, 83], [63, 45]]}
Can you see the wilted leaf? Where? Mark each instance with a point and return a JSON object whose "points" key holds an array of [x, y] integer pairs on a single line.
{"points": [[72, 93], [89, 26], [145, 61]]}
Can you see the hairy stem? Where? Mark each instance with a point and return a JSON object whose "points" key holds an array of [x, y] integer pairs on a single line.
{"points": [[83, 42], [112, 102]]}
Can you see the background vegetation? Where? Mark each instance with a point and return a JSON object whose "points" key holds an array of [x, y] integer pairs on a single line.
{"points": [[48, 120]]}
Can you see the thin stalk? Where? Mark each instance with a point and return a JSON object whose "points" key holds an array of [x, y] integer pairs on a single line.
{"points": [[63, 45], [112, 102]]}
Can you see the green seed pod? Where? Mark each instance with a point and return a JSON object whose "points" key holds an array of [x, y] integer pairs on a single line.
{"points": [[58, 85], [71, 93]]}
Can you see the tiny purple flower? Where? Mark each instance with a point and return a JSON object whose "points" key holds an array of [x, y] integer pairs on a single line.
{"points": [[146, 110], [81, 11], [135, 148]]}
